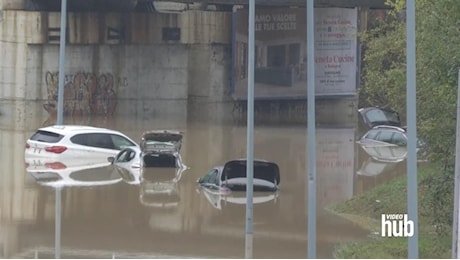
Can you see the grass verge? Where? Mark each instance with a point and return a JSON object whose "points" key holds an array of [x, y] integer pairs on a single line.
{"points": [[391, 198]]}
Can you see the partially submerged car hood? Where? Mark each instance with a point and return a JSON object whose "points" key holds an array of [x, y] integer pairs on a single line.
{"points": [[263, 170], [161, 140], [374, 116], [162, 136]]}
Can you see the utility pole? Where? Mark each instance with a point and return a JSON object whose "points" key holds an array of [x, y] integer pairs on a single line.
{"points": [[61, 71], [250, 132], [311, 125], [57, 223], [411, 102], [455, 226]]}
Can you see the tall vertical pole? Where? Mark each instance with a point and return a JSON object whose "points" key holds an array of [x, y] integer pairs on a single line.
{"points": [[250, 131], [57, 223], [455, 226], [311, 121], [60, 107], [412, 196]]}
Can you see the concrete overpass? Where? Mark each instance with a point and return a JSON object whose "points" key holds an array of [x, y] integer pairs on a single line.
{"points": [[149, 5], [129, 59]]}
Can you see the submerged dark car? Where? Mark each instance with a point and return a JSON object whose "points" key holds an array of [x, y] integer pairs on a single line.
{"points": [[375, 116], [232, 177]]}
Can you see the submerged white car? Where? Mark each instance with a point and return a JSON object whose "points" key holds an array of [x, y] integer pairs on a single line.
{"points": [[388, 143], [158, 185], [129, 165], [77, 142], [232, 177]]}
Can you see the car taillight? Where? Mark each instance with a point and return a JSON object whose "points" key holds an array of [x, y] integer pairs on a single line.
{"points": [[55, 165], [27, 146], [56, 149]]}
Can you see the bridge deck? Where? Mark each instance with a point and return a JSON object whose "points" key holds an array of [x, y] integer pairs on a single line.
{"points": [[374, 4]]}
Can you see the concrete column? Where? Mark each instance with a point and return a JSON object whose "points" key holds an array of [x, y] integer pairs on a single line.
{"points": [[12, 4]]}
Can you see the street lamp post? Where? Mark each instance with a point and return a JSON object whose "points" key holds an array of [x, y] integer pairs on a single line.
{"points": [[61, 72]]}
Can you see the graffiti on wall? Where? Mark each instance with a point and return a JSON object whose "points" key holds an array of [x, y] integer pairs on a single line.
{"points": [[84, 93]]}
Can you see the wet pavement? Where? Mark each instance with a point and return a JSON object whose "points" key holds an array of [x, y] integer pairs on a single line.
{"points": [[120, 218]]}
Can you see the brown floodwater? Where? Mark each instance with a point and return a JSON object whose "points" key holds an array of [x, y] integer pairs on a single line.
{"points": [[115, 221]]}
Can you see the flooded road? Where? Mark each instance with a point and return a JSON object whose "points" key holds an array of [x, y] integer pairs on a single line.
{"points": [[117, 217]]}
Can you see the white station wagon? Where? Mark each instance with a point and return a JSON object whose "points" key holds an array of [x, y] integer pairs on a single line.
{"points": [[77, 142]]}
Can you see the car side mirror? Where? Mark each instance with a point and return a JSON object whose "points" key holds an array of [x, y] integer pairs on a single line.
{"points": [[111, 159], [199, 180]]}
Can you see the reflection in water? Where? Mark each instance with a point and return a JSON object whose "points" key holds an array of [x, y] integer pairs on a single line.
{"points": [[112, 220], [160, 187], [57, 174], [372, 167], [378, 165], [385, 153], [219, 200]]}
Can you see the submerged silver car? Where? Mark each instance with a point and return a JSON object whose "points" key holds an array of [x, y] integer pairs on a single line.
{"points": [[161, 148], [387, 143], [232, 177]]}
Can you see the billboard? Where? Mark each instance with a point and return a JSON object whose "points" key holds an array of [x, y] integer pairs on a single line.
{"points": [[281, 52]]}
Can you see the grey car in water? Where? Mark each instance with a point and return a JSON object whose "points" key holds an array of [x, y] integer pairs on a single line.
{"points": [[232, 177]]}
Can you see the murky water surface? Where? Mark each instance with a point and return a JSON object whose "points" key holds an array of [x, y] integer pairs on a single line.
{"points": [[121, 219]]}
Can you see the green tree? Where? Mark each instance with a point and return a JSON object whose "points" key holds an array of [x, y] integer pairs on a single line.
{"points": [[438, 60]]}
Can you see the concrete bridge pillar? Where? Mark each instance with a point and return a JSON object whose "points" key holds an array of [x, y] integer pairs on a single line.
{"points": [[12, 4]]}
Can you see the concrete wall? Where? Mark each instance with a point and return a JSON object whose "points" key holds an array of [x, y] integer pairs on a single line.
{"points": [[329, 112], [114, 62], [209, 83], [12, 4], [124, 79], [120, 64]]}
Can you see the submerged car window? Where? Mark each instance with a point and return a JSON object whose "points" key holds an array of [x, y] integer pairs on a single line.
{"points": [[80, 139], [211, 176], [99, 140], [372, 134], [399, 139], [47, 137], [385, 136], [123, 156], [120, 142]]}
